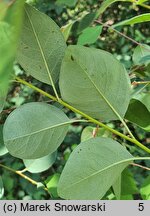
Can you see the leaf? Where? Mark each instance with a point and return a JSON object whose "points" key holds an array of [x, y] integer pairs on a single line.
{"points": [[6, 60], [69, 3], [92, 168], [9, 35], [144, 98], [89, 35], [41, 164], [52, 183], [140, 1], [3, 9], [134, 20], [138, 114], [127, 197], [42, 46], [91, 71], [88, 131], [39, 130], [117, 188], [145, 59], [105, 4], [145, 189], [128, 184], [1, 188], [3, 149], [140, 52], [85, 21], [66, 30]]}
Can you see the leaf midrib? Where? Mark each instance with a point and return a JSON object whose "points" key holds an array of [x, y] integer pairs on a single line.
{"points": [[41, 50], [41, 130], [99, 171], [98, 90]]}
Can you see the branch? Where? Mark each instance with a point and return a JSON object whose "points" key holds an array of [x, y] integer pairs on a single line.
{"points": [[22, 175], [120, 33], [138, 165], [133, 140]]}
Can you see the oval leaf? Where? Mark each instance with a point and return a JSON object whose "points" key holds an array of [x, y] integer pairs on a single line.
{"points": [[41, 164], [3, 149], [92, 168], [42, 46], [39, 130], [93, 84]]}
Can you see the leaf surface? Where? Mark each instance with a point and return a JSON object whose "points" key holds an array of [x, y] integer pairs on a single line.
{"points": [[10, 25], [141, 52], [89, 35], [94, 82], [39, 130], [1, 188], [134, 20], [139, 114], [3, 149], [41, 164], [42, 46], [92, 168]]}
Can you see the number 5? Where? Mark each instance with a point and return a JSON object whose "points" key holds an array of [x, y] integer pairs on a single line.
{"points": [[141, 207]]}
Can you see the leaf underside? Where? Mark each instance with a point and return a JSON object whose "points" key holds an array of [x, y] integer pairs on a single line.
{"points": [[39, 130], [94, 82], [92, 168]]}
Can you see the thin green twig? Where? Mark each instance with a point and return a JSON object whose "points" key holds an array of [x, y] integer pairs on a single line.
{"points": [[22, 175]]}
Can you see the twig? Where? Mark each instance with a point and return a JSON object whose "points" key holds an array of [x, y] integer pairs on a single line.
{"points": [[90, 119], [22, 175], [140, 82], [138, 165], [118, 32]]}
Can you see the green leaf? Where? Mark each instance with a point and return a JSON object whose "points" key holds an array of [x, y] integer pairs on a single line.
{"points": [[144, 98], [85, 21], [41, 164], [42, 46], [145, 189], [88, 133], [9, 35], [3, 9], [1, 188], [92, 168], [145, 59], [140, 1], [3, 149], [127, 197], [39, 130], [66, 30], [117, 188], [52, 183], [134, 20], [6, 60], [105, 4], [128, 184], [91, 71], [89, 35], [138, 114], [140, 52], [69, 3]]}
